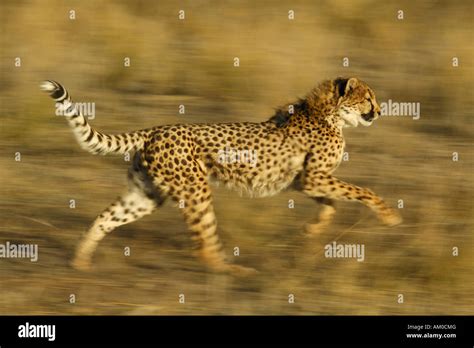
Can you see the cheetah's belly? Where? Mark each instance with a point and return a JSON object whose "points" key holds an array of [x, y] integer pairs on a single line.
{"points": [[259, 182]]}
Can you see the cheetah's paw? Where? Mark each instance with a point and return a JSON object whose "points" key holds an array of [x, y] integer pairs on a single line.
{"points": [[242, 271], [311, 230], [80, 264], [391, 217]]}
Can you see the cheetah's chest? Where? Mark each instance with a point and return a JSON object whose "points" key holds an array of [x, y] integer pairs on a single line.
{"points": [[328, 154], [338, 156]]}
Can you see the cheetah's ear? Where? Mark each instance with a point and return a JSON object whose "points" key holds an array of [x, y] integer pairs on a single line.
{"points": [[341, 84], [351, 84]]}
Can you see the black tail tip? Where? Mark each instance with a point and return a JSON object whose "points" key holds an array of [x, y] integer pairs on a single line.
{"points": [[54, 89]]}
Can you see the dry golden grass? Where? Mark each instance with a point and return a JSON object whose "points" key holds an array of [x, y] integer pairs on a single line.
{"points": [[190, 62]]}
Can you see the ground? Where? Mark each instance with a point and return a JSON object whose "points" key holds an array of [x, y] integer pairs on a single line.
{"points": [[397, 157]]}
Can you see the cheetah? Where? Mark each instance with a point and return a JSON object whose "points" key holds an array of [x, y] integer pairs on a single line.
{"points": [[299, 147]]}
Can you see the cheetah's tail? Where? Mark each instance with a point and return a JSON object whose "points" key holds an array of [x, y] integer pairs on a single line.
{"points": [[90, 139]]}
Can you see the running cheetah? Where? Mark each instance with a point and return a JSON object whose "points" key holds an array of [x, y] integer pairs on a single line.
{"points": [[300, 146]]}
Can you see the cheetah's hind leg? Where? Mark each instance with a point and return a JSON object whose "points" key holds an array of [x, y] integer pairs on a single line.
{"points": [[137, 202], [200, 217], [194, 193]]}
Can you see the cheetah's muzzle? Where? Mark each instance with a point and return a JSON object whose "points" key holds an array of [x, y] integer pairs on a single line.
{"points": [[369, 117]]}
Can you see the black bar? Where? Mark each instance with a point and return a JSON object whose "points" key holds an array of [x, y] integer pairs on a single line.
{"points": [[139, 330]]}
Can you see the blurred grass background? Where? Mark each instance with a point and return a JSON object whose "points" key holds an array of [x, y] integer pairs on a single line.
{"points": [[190, 62]]}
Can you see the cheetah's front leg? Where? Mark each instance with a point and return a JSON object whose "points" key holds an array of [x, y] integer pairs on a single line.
{"points": [[325, 216], [319, 184]]}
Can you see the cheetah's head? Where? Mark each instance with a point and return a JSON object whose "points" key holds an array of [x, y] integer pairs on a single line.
{"points": [[356, 103]]}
